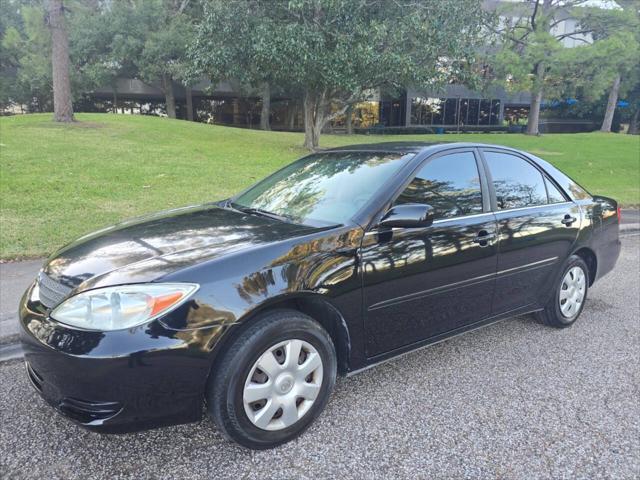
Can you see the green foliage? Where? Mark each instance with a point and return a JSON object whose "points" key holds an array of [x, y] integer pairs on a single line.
{"points": [[137, 38], [91, 37], [346, 47], [615, 51], [165, 31], [586, 71], [527, 41], [239, 41], [337, 51], [25, 75]]}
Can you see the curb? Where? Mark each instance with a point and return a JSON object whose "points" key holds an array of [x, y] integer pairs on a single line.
{"points": [[11, 351], [629, 228]]}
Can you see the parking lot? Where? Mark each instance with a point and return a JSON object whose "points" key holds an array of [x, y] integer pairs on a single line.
{"points": [[513, 400]]}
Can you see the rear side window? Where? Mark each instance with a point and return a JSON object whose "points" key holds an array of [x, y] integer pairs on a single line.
{"points": [[450, 184], [575, 191], [554, 194], [517, 183]]}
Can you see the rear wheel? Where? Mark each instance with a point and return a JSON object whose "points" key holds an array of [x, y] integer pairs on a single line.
{"points": [[569, 296], [273, 380]]}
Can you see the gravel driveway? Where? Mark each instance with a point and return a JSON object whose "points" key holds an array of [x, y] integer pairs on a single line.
{"points": [[513, 400]]}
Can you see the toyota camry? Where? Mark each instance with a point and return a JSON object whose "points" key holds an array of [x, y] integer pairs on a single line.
{"points": [[248, 308]]}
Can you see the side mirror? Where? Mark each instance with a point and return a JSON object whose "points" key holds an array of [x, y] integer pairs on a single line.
{"points": [[409, 215]]}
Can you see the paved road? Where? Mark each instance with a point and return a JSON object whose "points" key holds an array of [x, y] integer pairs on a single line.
{"points": [[513, 400], [14, 280], [630, 216]]}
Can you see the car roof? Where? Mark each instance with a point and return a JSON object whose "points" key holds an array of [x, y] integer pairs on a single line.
{"points": [[409, 147], [396, 147]]}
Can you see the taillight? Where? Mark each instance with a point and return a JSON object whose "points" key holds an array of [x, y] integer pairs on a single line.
{"points": [[619, 215]]}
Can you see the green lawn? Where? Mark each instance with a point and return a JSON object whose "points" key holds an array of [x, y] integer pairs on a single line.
{"points": [[58, 182]]}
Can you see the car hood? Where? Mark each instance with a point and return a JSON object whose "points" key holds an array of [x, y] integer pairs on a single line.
{"points": [[174, 239]]}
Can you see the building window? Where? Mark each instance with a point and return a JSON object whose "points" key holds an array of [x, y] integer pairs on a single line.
{"points": [[463, 118], [474, 110], [495, 112], [451, 111], [454, 111], [438, 113], [421, 110], [485, 112]]}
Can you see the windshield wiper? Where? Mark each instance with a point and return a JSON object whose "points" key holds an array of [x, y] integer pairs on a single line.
{"points": [[259, 211]]}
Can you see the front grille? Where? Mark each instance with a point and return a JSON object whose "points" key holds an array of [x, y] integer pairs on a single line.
{"points": [[51, 292]]}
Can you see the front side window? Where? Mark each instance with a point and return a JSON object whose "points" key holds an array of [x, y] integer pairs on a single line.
{"points": [[517, 183], [450, 184], [322, 189]]}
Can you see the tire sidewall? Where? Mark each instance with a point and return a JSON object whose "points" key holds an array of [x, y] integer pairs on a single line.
{"points": [[295, 326]]}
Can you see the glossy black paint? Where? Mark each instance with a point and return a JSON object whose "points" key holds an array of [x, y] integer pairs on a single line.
{"points": [[408, 216], [379, 291]]}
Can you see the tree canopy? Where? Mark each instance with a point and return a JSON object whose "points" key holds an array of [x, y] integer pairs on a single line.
{"points": [[335, 52], [327, 55]]}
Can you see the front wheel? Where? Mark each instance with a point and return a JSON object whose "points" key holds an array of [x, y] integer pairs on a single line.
{"points": [[273, 380], [569, 295]]}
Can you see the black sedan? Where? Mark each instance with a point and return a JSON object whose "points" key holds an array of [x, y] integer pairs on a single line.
{"points": [[251, 306]]}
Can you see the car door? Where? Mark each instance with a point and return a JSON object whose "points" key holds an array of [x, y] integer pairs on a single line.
{"points": [[419, 283], [537, 226]]}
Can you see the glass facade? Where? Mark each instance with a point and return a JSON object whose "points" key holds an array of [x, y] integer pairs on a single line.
{"points": [[454, 111]]}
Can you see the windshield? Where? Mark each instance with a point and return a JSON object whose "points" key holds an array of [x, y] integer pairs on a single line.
{"points": [[327, 188]]}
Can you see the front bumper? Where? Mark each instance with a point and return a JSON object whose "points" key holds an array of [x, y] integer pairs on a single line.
{"points": [[120, 381]]}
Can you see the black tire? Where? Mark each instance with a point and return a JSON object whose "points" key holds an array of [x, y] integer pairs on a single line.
{"points": [[552, 314], [224, 394]]}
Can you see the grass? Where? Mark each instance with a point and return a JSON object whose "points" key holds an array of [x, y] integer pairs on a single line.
{"points": [[60, 181]]}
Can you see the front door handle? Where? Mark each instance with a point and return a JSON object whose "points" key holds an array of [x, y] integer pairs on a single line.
{"points": [[484, 237], [568, 220]]}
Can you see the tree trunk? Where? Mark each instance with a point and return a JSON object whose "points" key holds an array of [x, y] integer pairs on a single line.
{"points": [[633, 123], [167, 86], [189, 95], [266, 107], [235, 105], [534, 114], [611, 106], [62, 106], [115, 100], [348, 121], [536, 101], [315, 117], [292, 113]]}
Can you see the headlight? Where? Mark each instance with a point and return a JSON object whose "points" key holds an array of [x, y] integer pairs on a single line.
{"points": [[116, 308]]}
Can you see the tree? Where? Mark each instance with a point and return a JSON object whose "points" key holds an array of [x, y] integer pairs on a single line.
{"points": [[612, 62], [144, 39], [62, 100], [533, 53], [336, 52], [163, 54], [25, 58], [241, 41], [96, 55], [346, 49]]}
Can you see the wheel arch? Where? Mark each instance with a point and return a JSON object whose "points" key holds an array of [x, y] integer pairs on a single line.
{"points": [[590, 258], [311, 304]]}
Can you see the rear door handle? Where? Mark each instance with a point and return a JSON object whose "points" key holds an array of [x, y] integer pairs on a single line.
{"points": [[484, 237], [568, 220]]}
